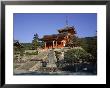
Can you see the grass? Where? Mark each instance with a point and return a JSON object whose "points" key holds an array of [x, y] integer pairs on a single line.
{"points": [[32, 53]]}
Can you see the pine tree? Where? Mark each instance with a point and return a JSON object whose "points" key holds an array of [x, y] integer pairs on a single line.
{"points": [[35, 41]]}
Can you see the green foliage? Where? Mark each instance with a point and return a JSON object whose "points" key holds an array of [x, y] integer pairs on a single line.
{"points": [[35, 42], [90, 45], [41, 44], [32, 53], [57, 54], [22, 51], [18, 48], [74, 41], [75, 55], [27, 46]]}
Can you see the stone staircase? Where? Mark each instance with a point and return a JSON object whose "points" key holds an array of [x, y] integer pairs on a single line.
{"points": [[42, 55]]}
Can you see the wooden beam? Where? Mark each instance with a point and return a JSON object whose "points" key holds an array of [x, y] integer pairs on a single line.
{"points": [[45, 45]]}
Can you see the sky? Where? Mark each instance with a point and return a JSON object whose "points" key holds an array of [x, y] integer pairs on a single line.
{"points": [[27, 24]]}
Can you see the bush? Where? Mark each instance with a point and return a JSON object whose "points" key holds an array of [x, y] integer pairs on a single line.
{"points": [[76, 55]]}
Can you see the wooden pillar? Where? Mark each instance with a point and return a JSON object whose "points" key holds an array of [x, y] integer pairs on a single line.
{"points": [[45, 45], [53, 44], [63, 43], [56, 44]]}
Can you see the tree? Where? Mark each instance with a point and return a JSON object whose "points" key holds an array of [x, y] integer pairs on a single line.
{"points": [[27, 46], [41, 44], [35, 42], [74, 41], [18, 48], [90, 45]]}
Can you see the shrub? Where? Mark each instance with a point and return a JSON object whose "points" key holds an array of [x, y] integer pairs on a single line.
{"points": [[75, 55]]}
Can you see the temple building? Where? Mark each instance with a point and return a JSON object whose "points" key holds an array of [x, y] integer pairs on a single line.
{"points": [[59, 40]]}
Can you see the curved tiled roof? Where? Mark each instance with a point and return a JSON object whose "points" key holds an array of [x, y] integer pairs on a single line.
{"points": [[62, 34], [54, 37]]}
